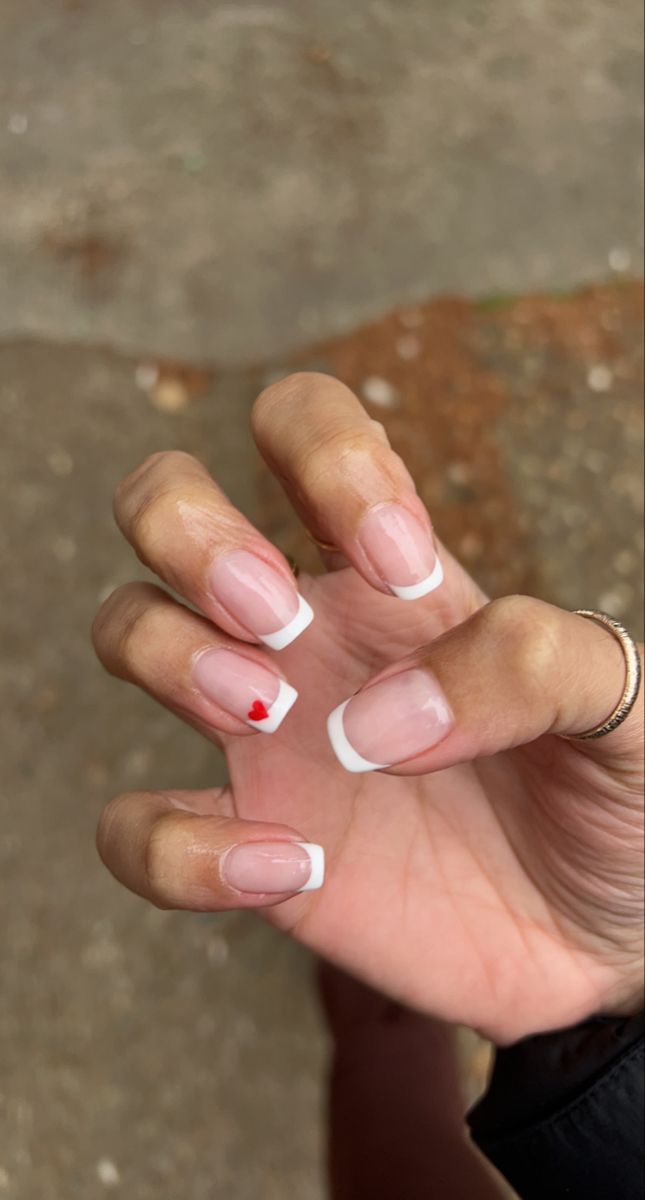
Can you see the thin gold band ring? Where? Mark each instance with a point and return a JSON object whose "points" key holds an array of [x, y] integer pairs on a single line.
{"points": [[632, 680]]}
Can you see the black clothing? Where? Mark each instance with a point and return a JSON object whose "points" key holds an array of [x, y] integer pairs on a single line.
{"points": [[563, 1117]]}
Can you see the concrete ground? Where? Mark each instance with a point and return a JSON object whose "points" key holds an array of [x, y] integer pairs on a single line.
{"points": [[223, 181], [190, 195]]}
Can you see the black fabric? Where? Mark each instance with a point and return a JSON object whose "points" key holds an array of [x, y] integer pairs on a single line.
{"points": [[563, 1117]]}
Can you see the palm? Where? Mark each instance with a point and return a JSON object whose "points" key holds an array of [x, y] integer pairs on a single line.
{"points": [[440, 889]]}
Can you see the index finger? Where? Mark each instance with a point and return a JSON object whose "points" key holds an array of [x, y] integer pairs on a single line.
{"points": [[347, 484]]}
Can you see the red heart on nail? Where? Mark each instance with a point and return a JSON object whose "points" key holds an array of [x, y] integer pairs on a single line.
{"points": [[258, 712]]}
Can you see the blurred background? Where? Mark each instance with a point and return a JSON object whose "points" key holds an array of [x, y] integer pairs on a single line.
{"points": [[441, 203]]}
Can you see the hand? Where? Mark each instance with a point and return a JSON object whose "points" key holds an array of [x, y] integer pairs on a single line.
{"points": [[493, 875]]}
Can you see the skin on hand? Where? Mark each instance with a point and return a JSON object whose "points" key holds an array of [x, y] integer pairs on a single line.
{"points": [[479, 867]]}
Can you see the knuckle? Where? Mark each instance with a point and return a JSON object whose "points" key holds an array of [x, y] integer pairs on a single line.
{"points": [[150, 518], [157, 861], [157, 478], [127, 486], [528, 633], [143, 629], [109, 817], [125, 621], [305, 385], [145, 867], [293, 410], [108, 620], [350, 453]]}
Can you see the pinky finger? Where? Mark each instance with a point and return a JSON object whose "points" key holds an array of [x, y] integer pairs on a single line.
{"points": [[178, 851]]}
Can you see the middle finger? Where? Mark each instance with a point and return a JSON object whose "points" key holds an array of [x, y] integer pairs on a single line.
{"points": [[185, 529]]}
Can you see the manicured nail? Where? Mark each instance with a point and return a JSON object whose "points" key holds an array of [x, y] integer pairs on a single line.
{"points": [[244, 688], [401, 551], [260, 598], [274, 867], [390, 722]]}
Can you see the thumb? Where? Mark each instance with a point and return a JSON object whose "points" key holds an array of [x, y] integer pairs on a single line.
{"points": [[516, 670]]}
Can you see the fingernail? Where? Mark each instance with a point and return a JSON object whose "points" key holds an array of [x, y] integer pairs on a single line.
{"points": [[274, 867], [390, 722], [244, 688], [401, 551], [260, 598]]}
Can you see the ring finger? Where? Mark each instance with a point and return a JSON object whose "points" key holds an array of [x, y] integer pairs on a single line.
{"points": [[215, 683]]}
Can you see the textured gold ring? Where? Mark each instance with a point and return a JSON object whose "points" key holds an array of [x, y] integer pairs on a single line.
{"points": [[632, 680], [328, 547]]}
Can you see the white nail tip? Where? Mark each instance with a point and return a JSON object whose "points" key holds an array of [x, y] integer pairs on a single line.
{"points": [[284, 701], [347, 756], [317, 859], [416, 590], [283, 637]]}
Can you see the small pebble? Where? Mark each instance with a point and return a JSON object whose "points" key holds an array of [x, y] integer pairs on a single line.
{"points": [[625, 562], [64, 549], [600, 378], [60, 462], [108, 1173], [459, 473], [616, 601], [137, 762], [18, 123], [471, 547], [101, 955], [378, 391], [146, 376], [217, 951], [408, 348], [411, 318], [595, 461], [620, 260], [169, 395]]}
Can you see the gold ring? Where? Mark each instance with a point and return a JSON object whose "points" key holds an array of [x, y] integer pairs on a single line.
{"points": [[632, 680], [328, 547]]}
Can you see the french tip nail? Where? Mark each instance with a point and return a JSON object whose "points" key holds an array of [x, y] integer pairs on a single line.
{"points": [[317, 858], [283, 637], [348, 757], [283, 703], [415, 590]]}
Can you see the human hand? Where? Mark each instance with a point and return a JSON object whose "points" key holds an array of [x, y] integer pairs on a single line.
{"points": [[493, 875]]}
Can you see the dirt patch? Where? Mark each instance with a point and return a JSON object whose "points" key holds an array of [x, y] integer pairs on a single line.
{"points": [[476, 398]]}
